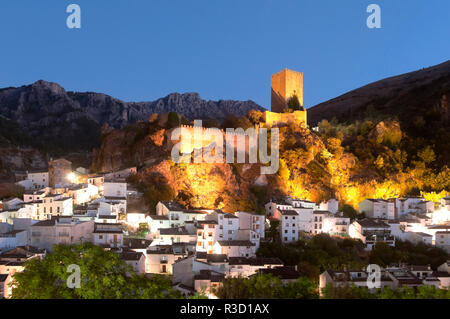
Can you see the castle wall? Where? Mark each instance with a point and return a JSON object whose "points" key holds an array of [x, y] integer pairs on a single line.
{"points": [[275, 119]]}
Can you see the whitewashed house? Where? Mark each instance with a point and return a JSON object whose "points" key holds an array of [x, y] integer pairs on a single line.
{"points": [[108, 235], [288, 227], [377, 208], [60, 230], [252, 221], [371, 231], [39, 179]]}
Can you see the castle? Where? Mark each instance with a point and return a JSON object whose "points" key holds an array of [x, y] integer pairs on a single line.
{"points": [[286, 84]]}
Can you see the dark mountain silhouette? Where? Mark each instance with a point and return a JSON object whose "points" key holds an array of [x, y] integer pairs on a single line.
{"points": [[46, 115]]}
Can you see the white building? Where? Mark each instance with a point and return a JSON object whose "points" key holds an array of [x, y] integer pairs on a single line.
{"points": [[336, 224], [419, 237], [175, 235], [98, 181], [115, 190], [443, 240], [252, 221], [235, 248], [228, 225], [11, 203], [60, 230], [112, 206], [271, 207], [207, 235], [12, 239], [288, 227], [134, 220], [108, 235], [161, 258], [445, 203], [404, 206], [82, 193], [371, 231], [39, 180], [331, 205], [345, 278], [156, 222], [377, 208], [177, 215], [245, 267], [134, 259], [32, 196], [56, 205]]}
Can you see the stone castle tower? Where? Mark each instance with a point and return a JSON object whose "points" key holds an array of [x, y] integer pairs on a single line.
{"points": [[285, 84]]}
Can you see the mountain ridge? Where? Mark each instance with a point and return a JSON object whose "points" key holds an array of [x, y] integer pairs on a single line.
{"points": [[351, 105], [46, 111]]}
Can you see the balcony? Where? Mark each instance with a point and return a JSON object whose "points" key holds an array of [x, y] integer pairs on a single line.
{"points": [[163, 261]]}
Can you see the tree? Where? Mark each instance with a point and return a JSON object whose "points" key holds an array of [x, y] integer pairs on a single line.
{"points": [[266, 286], [255, 116], [173, 120], [294, 103], [427, 155], [353, 292], [103, 275], [273, 230], [232, 121], [349, 212]]}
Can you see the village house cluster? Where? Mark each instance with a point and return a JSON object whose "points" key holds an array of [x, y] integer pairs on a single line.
{"points": [[200, 247]]}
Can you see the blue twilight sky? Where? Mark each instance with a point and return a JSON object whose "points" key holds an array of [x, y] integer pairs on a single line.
{"points": [[140, 50]]}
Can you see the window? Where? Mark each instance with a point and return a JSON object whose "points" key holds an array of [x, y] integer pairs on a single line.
{"points": [[100, 236], [293, 231], [286, 217]]}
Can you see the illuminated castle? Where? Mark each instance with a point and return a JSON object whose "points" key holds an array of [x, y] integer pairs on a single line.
{"points": [[285, 85]]}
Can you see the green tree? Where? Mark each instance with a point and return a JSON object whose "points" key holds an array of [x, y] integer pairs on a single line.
{"points": [[349, 211], [294, 103], [103, 275], [173, 120], [266, 286], [273, 232]]}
